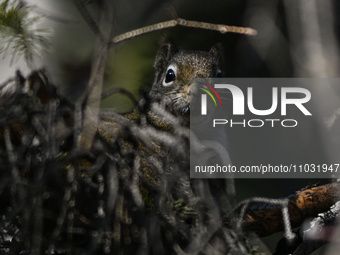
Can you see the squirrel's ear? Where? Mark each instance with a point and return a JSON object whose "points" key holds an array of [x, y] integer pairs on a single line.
{"points": [[217, 51], [164, 54]]}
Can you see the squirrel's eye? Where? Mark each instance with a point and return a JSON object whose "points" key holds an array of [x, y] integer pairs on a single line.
{"points": [[218, 73], [170, 75]]}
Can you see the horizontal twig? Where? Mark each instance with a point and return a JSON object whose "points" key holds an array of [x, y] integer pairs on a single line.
{"points": [[186, 23]]}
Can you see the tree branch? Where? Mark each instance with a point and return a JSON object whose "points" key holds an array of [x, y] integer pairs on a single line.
{"points": [[94, 87], [266, 219]]}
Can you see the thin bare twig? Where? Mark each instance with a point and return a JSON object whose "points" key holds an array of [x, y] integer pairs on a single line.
{"points": [[95, 84], [186, 23]]}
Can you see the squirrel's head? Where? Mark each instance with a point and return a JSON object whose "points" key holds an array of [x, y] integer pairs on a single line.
{"points": [[176, 70]]}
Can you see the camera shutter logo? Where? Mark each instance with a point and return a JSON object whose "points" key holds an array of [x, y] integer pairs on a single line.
{"points": [[204, 98]]}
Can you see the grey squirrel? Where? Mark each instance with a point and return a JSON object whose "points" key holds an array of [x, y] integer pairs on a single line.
{"points": [[175, 70]]}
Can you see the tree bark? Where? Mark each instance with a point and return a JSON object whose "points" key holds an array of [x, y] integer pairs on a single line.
{"points": [[266, 219]]}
